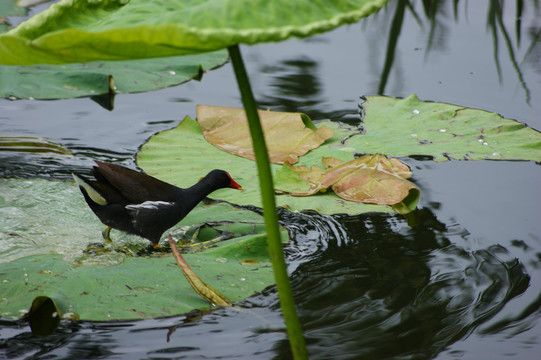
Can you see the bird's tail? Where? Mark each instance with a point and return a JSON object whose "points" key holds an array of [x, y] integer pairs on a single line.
{"points": [[91, 192]]}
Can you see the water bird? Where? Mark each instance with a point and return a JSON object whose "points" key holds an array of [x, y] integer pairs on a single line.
{"points": [[136, 203]]}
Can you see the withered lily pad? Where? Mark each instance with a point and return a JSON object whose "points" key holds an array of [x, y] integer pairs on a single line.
{"points": [[288, 135], [372, 179]]}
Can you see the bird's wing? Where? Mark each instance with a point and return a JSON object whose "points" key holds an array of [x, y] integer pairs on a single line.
{"points": [[136, 187]]}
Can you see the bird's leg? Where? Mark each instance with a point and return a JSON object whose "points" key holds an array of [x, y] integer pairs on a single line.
{"points": [[106, 233]]}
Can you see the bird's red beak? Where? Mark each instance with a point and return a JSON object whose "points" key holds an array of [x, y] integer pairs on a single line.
{"points": [[234, 184]]}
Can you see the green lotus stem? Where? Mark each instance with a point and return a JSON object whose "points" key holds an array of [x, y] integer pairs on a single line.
{"points": [[274, 241]]}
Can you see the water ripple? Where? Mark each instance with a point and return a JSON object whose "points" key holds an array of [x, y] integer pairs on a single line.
{"points": [[389, 290]]}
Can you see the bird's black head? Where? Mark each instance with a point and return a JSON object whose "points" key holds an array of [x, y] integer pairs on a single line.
{"points": [[221, 179]]}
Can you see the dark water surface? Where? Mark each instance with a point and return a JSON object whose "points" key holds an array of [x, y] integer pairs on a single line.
{"points": [[464, 284]]}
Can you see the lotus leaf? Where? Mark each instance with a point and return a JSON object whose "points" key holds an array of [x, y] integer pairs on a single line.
{"points": [[405, 127], [83, 31]]}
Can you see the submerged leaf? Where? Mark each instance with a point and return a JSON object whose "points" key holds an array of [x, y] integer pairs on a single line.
{"points": [[372, 179], [31, 144], [288, 135]]}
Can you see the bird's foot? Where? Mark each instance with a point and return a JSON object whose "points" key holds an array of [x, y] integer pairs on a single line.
{"points": [[108, 246], [106, 233]]}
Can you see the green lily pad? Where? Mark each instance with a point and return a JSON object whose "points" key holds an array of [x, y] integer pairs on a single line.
{"points": [[83, 31], [404, 127], [142, 287], [48, 231], [75, 80]]}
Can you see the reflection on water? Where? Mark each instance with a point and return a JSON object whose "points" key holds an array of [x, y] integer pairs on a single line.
{"points": [[388, 290]]}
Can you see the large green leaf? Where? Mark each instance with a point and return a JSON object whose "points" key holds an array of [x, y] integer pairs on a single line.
{"points": [[179, 155], [111, 286], [82, 30], [404, 127], [75, 80]]}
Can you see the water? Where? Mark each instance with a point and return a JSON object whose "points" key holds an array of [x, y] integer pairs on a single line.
{"points": [[464, 284]]}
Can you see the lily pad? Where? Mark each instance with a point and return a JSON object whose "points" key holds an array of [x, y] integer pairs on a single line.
{"points": [[75, 80], [142, 287], [391, 128], [371, 179], [112, 286], [287, 135], [83, 31], [170, 156], [405, 127]]}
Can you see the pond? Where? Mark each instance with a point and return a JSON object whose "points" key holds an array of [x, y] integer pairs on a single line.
{"points": [[464, 284]]}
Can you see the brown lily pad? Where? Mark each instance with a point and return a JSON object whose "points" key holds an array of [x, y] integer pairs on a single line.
{"points": [[288, 135], [372, 179]]}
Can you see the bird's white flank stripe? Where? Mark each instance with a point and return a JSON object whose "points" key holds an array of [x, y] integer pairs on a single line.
{"points": [[93, 194], [149, 205]]}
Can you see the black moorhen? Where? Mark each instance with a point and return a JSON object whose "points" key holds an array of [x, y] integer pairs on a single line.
{"points": [[140, 204]]}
